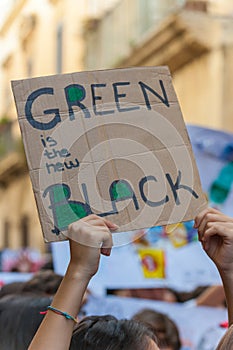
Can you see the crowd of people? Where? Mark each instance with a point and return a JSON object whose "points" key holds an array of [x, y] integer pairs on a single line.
{"points": [[42, 313]]}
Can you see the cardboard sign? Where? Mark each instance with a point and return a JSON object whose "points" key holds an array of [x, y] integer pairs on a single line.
{"points": [[112, 143]]}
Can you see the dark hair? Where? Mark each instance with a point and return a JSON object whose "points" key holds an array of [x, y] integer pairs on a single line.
{"points": [[164, 328], [19, 320], [43, 282], [182, 297], [108, 333], [226, 342], [11, 288]]}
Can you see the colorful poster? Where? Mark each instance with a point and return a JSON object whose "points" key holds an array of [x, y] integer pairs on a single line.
{"points": [[152, 262]]}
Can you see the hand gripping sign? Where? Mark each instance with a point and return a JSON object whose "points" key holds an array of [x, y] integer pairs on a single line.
{"points": [[109, 142]]}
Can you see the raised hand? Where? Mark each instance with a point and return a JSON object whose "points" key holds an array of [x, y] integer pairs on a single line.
{"points": [[89, 237], [215, 231]]}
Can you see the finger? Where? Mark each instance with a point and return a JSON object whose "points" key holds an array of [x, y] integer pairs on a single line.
{"points": [[95, 237], [202, 215], [93, 219], [201, 221], [224, 231], [215, 230], [88, 235], [210, 218], [106, 251], [111, 225], [99, 221], [93, 231], [107, 243]]}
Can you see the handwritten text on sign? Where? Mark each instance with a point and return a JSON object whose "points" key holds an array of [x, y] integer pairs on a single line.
{"points": [[112, 143]]}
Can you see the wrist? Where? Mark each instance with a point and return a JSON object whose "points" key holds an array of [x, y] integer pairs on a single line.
{"points": [[78, 273], [225, 271], [227, 277]]}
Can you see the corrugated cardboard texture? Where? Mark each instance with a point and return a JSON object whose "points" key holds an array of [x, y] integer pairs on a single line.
{"points": [[110, 142]]}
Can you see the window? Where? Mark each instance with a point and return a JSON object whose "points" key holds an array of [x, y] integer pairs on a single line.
{"points": [[59, 52], [6, 234], [24, 231]]}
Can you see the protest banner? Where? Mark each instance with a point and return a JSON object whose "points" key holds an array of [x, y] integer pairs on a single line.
{"points": [[193, 322], [109, 142]]}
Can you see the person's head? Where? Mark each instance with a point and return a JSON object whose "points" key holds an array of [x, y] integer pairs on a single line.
{"points": [[11, 288], [123, 292], [108, 333], [19, 319], [164, 294], [193, 294], [226, 343], [164, 328], [43, 282]]}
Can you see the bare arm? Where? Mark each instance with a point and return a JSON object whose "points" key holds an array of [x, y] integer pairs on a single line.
{"points": [[215, 232], [89, 238], [212, 296]]}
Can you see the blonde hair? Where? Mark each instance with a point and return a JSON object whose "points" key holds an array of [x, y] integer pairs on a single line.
{"points": [[226, 343]]}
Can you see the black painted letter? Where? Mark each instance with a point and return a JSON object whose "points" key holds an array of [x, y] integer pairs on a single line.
{"points": [[147, 201], [28, 110], [163, 99], [74, 94], [176, 186], [98, 98], [117, 96]]}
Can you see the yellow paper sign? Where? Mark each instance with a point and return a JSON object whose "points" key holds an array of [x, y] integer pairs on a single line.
{"points": [[153, 262]]}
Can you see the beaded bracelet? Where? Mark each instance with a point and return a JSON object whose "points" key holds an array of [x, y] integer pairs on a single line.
{"points": [[59, 312]]}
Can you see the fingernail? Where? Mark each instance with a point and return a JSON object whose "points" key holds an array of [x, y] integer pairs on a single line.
{"points": [[106, 251]]}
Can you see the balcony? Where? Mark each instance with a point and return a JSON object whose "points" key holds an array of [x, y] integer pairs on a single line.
{"points": [[112, 37]]}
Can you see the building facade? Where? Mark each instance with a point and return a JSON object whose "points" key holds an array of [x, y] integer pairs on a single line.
{"points": [[194, 38], [37, 38]]}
